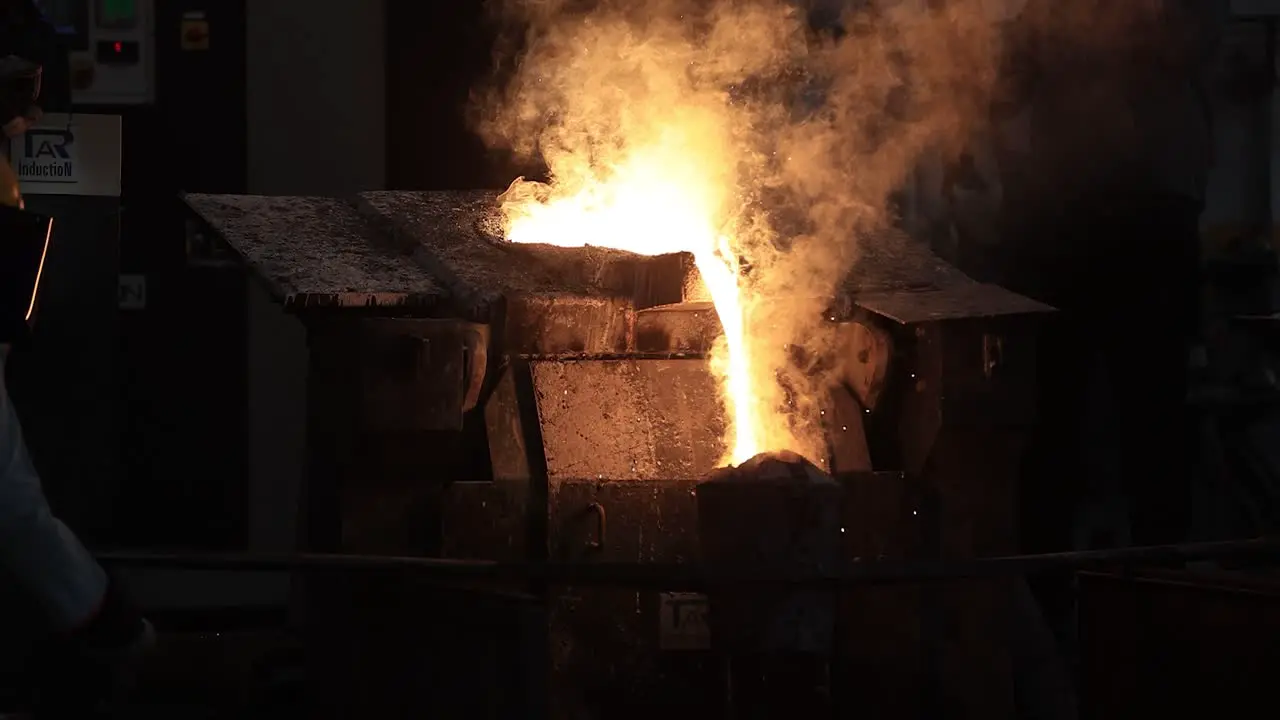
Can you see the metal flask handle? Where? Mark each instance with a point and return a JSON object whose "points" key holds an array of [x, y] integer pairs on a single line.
{"points": [[596, 509], [992, 355]]}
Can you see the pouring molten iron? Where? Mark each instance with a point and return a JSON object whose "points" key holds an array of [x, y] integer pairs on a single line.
{"points": [[655, 203]]}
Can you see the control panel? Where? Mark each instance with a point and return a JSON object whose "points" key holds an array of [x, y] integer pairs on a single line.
{"points": [[112, 49]]}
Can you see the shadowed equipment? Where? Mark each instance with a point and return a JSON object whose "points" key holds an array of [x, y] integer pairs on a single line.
{"points": [[477, 399]]}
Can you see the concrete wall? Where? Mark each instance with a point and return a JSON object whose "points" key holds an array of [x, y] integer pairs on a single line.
{"points": [[315, 96], [316, 127], [1237, 193]]}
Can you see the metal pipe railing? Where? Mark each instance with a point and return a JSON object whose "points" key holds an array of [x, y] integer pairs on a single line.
{"points": [[692, 576]]}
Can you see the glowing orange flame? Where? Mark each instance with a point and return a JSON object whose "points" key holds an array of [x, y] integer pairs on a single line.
{"points": [[646, 208]]}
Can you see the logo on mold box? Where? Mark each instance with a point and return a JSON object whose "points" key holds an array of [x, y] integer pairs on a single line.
{"points": [[682, 622]]}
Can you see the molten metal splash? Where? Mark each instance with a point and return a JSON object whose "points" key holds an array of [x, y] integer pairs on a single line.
{"points": [[711, 126], [645, 207]]}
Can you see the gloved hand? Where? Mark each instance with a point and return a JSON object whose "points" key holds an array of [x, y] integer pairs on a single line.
{"points": [[22, 123], [95, 668]]}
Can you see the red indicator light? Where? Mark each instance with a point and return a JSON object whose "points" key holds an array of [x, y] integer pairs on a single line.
{"points": [[117, 47]]}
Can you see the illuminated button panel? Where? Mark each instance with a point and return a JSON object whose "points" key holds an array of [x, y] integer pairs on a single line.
{"points": [[114, 62], [116, 14], [119, 52]]}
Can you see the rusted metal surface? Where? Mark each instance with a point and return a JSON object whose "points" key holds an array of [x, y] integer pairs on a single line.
{"points": [[558, 325], [544, 293], [558, 431], [405, 374], [462, 233], [900, 278], [963, 300], [587, 451], [956, 408], [483, 519], [555, 300], [399, 248], [866, 354], [386, 427], [849, 449], [879, 665], [628, 419], [510, 449], [605, 646], [961, 423], [586, 456], [317, 253], [550, 422], [777, 510], [891, 260], [684, 328]]}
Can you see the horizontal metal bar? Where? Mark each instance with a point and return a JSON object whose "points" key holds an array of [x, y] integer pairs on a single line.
{"points": [[601, 357], [673, 576]]}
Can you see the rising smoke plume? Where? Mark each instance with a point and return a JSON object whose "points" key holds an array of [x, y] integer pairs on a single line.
{"points": [[793, 138]]}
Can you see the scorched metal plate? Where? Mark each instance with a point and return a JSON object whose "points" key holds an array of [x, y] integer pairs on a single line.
{"points": [[635, 419]]}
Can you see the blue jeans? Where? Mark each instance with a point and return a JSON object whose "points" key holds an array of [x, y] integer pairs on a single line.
{"points": [[42, 553]]}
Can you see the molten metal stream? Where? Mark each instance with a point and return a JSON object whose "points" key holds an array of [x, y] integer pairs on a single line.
{"points": [[719, 274], [648, 216]]}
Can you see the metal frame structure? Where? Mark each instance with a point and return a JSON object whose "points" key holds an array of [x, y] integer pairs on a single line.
{"points": [[450, 572], [490, 590]]}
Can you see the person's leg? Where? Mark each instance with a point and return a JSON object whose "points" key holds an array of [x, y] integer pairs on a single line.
{"points": [[39, 550], [99, 637]]}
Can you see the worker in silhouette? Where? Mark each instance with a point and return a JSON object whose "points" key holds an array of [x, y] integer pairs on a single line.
{"points": [[98, 632]]}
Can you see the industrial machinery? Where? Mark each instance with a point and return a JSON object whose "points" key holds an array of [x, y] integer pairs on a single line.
{"points": [[128, 86], [111, 53], [470, 398], [69, 167]]}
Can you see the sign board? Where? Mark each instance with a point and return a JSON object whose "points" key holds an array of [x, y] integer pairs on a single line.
{"points": [[682, 622], [69, 154]]}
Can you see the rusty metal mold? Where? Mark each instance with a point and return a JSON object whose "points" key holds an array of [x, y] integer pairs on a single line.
{"points": [[900, 278], [961, 301], [317, 253], [689, 328], [594, 442], [775, 511], [587, 458], [606, 652], [550, 300], [461, 233], [405, 375], [546, 324], [891, 260], [628, 419]]}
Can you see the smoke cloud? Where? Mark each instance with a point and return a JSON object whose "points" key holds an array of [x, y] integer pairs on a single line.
{"points": [[794, 138]]}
